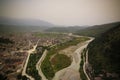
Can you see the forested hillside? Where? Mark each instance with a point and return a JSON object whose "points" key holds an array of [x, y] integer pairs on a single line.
{"points": [[96, 30], [104, 55]]}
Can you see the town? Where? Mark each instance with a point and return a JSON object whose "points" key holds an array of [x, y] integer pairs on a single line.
{"points": [[13, 49]]}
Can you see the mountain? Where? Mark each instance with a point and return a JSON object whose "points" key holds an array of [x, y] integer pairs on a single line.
{"points": [[15, 28], [104, 55], [24, 22], [18, 25], [96, 30], [69, 29]]}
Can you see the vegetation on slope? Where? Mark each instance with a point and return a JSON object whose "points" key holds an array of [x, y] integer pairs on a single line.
{"points": [[97, 30], [104, 54]]}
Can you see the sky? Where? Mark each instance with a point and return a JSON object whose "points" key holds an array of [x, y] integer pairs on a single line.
{"points": [[63, 12]]}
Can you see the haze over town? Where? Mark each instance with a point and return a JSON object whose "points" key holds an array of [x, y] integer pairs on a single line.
{"points": [[63, 12]]}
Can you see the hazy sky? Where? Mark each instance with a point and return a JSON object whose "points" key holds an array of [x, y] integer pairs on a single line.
{"points": [[63, 12]]}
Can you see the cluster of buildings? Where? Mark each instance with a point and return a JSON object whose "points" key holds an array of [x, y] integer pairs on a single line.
{"points": [[13, 54]]}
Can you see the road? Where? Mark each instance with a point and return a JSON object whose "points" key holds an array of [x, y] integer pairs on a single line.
{"points": [[84, 66], [25, 65], [39, 64], [72, 72], [86, 63]]}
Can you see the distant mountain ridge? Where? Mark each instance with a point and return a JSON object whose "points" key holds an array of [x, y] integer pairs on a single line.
{"points": [[69, 29], [24, 22], [96, 30], [23, 25]]}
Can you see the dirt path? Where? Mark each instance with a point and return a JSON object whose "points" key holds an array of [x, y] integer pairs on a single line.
{"points": [[25, 66], [72, 72], [84, 66], [39, 64], [86, 63]]}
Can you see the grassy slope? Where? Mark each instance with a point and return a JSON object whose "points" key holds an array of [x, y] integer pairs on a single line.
{"points": [[104, 53], [60, 61]]}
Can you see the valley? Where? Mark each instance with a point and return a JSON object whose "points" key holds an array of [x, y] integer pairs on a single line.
{"points": [[60, 56], [59, 39]]}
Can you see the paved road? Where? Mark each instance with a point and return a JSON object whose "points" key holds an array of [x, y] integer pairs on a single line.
{"points": [[72, 72]]}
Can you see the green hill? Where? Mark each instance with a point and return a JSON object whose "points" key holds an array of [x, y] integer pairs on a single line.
{"points": [[96, 30], [104, 54]]}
